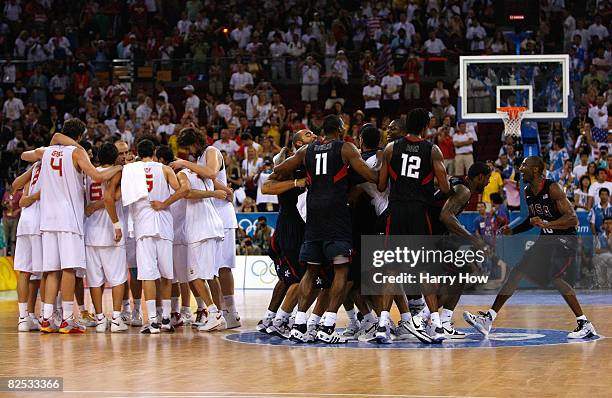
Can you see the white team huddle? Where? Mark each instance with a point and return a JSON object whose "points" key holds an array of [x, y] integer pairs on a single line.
{"points": [[176, 231]]}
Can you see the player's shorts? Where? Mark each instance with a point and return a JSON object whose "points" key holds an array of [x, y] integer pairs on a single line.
{"points": [[548, 259], [324, 251], [36, 277], [154, 259], [201, 260], [408, 218], [28, 254], [106, 264], [62, 250], [287, 264], [225, 255], [130, 250], [179, 262], [81, 272]]}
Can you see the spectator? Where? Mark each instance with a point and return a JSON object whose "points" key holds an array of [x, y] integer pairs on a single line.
{"points": [[445, 142], [39, 85], [476, 35], [226, 144], [558, 155], [582, 168], [310, 80], [436, 95], [602, 260], [412, 88], [447, 109], [600, 211], [262, 235], [601, 182], [248, 206], [371, 97], [10, 217], [278, 50], [599, 113], [238, 83], [265, 202], [192, 102], [13, 107], [391, 85], [464, 150], [434, 48], [582, 197], [495, 185]]}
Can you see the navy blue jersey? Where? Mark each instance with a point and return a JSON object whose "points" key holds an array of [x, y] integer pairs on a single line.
{"points": [[327, 212], [411, 171], [541, 205], [438, 227]]}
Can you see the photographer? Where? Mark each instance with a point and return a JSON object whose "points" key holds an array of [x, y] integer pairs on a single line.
{"points": [[265, 203], [10, 217], [262, 235]]}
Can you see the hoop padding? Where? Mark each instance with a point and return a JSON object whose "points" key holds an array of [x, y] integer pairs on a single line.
{"points": [[512, 116]]}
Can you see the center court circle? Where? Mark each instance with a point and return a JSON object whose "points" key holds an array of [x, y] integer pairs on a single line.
{"points": [[500, 337]]}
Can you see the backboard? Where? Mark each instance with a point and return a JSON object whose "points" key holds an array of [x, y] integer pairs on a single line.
{"points": [[538, 82]]}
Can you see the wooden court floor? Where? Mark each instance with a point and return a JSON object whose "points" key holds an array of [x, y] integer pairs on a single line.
{"points": [[192, 364]]}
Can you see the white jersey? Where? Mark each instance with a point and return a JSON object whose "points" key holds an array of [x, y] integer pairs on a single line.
{"points": [[178, 210], [202, 220], [149, 222], [29, 221], [380, 200], [224, 208], [62, 196], [99, 230]]}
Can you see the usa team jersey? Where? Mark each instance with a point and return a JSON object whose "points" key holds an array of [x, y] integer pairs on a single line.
{"points": [[29, 221], [149, 222], [226, 209], [329, 217], [411, 171], [438, 228], [541, 205], [62, 197], [99, 230], [201, 218]]}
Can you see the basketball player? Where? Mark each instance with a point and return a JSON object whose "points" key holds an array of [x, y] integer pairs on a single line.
{"points": [[105, 246], [203, 230], [410, 165], [328, 234], [153, 231], [286, 241], [444, 212], [28, 247], [131, 316], [61, 222], [547, 260], [210, 165]]}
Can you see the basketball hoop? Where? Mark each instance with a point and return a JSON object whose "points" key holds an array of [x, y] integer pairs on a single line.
{"points": [[512, 116]]}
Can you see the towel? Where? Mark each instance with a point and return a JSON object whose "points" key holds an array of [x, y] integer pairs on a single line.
{"points": [[133, 183], [301, 205]]}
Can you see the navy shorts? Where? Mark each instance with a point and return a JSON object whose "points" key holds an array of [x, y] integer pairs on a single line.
{"points": [[324, 251]]}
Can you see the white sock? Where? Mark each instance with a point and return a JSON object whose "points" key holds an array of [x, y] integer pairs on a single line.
{"points": [[151, 310], [158, 310], [352, 316], [200, 303], [435, 319], [166, 308], [330, 319], [425, 313], [229, 304], [313, 319], [300, 318], [370, 317], [116, 314], [32, 315], [23, 309], [67, 307], [384, 318], [99, 317], [174, 304], [446, 315], [420, 301], [137, 305], [270, 314], [493, 314], [82, 307], [581, 318], [47, 311], [125, 306], [185, 309], [212, 309], [282, 315]]}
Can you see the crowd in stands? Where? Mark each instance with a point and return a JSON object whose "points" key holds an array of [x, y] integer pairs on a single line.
{"points": [[250, 73]]}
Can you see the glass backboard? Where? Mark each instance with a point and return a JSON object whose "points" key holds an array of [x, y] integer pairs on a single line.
{"points": [[538, 82]]}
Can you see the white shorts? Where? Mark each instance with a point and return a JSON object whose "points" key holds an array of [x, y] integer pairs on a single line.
{"points": [[179, 261], [36, 277], [201, 260], [154, 259], [62, 250], [225, 257], [106, 264], [28, 254], [130, 249]]}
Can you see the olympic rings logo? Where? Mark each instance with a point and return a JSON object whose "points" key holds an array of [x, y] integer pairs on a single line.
{"points": [[247, 225], [264, 270]]}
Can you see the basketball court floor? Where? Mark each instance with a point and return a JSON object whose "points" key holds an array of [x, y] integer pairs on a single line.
{"points": [[528, 355]]}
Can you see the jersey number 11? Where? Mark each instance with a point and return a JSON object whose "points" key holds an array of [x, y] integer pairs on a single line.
{"points": [[321, 166]]}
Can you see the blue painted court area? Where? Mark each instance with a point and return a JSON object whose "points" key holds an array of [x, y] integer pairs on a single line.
{"points": [[500, 337]]}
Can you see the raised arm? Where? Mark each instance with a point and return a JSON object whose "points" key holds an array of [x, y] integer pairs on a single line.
{"points": [[210, 171], [289, 165], [82, 160], [22, 180], [61, 139], [351, 154], [383, 176], [34, 155], [439, 169]]}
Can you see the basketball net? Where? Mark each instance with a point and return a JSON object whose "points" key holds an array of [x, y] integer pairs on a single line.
{"points": [[512, 116]]}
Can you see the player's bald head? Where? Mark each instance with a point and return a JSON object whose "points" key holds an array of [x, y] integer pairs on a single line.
{"points": [[303, 137], [535, 162]]}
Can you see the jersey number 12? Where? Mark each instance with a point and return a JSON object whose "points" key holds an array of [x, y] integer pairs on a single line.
{"points": [[410, 166], [321, 166]]}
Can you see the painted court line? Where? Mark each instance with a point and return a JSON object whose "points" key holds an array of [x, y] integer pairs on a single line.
{"points": [[214, 394]]}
